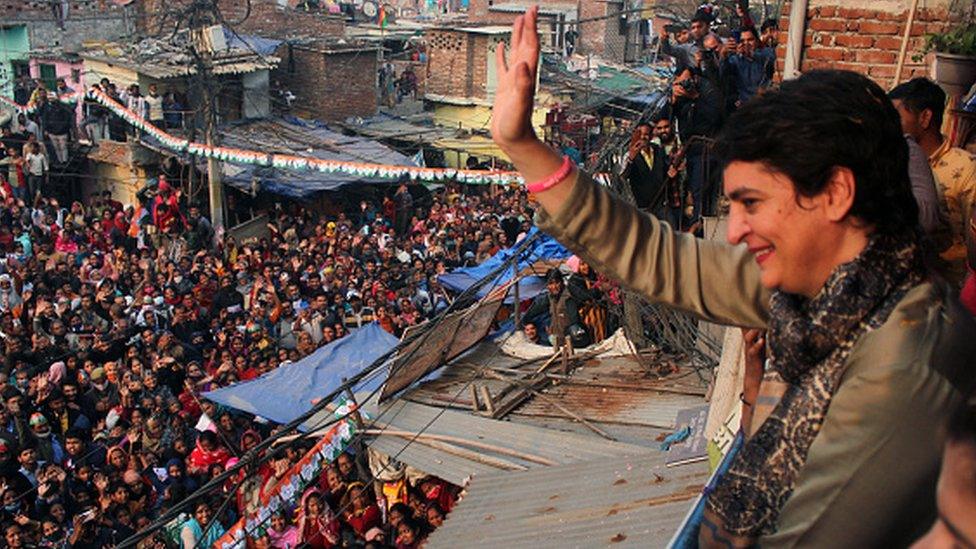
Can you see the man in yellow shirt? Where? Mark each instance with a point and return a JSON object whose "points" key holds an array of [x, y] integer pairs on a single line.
{"points": [[920, 103]]}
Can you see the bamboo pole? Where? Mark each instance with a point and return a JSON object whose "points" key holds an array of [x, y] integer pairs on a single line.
{"points": [[904, 44]]}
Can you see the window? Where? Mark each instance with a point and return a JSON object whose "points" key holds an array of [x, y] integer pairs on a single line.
{"points": [[76, 76]]}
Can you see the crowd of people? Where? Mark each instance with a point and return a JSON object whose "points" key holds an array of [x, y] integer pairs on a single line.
{"points": [[668, 165], [115, 318]]}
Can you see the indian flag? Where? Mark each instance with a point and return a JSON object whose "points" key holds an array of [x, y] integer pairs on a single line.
{"points": [[381, 18]]}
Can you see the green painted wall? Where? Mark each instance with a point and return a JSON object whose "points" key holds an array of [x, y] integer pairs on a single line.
{"points": [[14, 45]]}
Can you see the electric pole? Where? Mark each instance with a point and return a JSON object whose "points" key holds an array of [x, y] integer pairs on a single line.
{"points": [[213, 166], [203, 17]]}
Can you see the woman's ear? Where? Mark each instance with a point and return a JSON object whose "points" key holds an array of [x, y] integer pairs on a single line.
{"points": [[839, 194]]}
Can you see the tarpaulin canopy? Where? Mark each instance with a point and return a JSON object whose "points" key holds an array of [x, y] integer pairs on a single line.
{"points": [[544, 248], [292, 135], [286, 392], [252, 42]]}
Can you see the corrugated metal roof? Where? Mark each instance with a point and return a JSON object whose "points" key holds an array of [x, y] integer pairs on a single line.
{"points": [[521, 7], [620, 390], [615, 390], [389, 126], [557, 447], [614, 501]]}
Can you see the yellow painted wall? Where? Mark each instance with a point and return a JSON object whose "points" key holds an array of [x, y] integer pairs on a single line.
{"points": [[476, 118], [123, 181], [123, 77]]}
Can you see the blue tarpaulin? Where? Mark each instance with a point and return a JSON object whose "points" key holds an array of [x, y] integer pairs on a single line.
{"points": [[545, 247], [286, 392], [251, 42]]}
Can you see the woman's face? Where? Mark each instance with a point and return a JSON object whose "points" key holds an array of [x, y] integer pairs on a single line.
{"points": [[278, 523], [314, 506], [404, 534], [57, 511], [202, 514], [797, 241]]}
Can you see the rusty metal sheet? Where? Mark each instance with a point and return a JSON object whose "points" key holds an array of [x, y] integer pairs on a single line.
{"points": [[617, 390], [451, 337]]}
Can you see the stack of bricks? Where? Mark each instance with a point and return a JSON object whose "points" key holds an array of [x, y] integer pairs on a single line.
{"points": [[862, 40]]}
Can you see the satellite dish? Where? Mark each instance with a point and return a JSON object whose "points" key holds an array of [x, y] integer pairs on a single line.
{"points": [[370, 9]]}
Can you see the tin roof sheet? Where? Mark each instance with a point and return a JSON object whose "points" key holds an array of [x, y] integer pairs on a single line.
{"points": [[557, 447], [632, 501], [617, 390]]}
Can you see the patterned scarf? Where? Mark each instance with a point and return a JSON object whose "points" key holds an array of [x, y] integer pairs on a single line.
{"points": [[809, 343]]}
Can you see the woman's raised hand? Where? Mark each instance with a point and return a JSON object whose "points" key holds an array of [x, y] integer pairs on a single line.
{"points": [[511, 121]]}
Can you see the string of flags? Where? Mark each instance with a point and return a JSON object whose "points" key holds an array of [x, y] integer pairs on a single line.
{"points": [[179, 145], [69, 98]]}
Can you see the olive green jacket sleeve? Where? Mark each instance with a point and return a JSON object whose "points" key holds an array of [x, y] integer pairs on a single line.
{"points": [[713, 280]]}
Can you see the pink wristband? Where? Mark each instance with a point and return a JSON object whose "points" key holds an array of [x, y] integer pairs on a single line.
{"points": [[556, 178]]}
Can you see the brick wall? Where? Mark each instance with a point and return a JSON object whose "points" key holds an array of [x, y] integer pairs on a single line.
{"points": [[450, 56], [16, 9], [267, 18], [86, 20], [862, 40], [330, 86], [601, 37]]}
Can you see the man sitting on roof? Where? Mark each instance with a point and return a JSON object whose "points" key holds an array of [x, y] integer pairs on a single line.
{"points": [[563, 310]]}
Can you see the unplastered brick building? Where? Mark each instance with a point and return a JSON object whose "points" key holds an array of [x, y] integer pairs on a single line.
{"points": [[269, 18], [331, 81], [603, 32], [461, 63]]}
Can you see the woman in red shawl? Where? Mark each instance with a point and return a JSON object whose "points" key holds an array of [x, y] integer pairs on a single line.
{"points": [[317, 527], [362, 514], [206, 453]]}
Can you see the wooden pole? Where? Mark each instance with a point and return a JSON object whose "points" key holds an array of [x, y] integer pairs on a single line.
{"points": [[904, 44], [529, 388], [475, 406], [518, 301], [567, 345], [486, 397], [357, 420]]}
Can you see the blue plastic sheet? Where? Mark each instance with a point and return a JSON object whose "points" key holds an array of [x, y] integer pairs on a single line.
{"points": [[285, 393]]}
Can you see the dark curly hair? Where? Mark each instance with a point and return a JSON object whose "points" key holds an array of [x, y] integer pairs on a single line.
{"points": [[824, 120], [919, 94]]}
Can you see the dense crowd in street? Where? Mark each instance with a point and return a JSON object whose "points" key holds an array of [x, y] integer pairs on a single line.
{"points": [[115, 318]]}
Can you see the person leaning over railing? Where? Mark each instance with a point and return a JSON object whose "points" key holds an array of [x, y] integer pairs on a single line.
{"points": [[823, 253]]}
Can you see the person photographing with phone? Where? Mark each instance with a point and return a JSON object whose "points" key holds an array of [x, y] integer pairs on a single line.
{"points": [[823, 253]]}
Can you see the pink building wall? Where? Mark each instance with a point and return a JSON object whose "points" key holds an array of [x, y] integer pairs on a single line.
{"points": [[63, 69]]}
